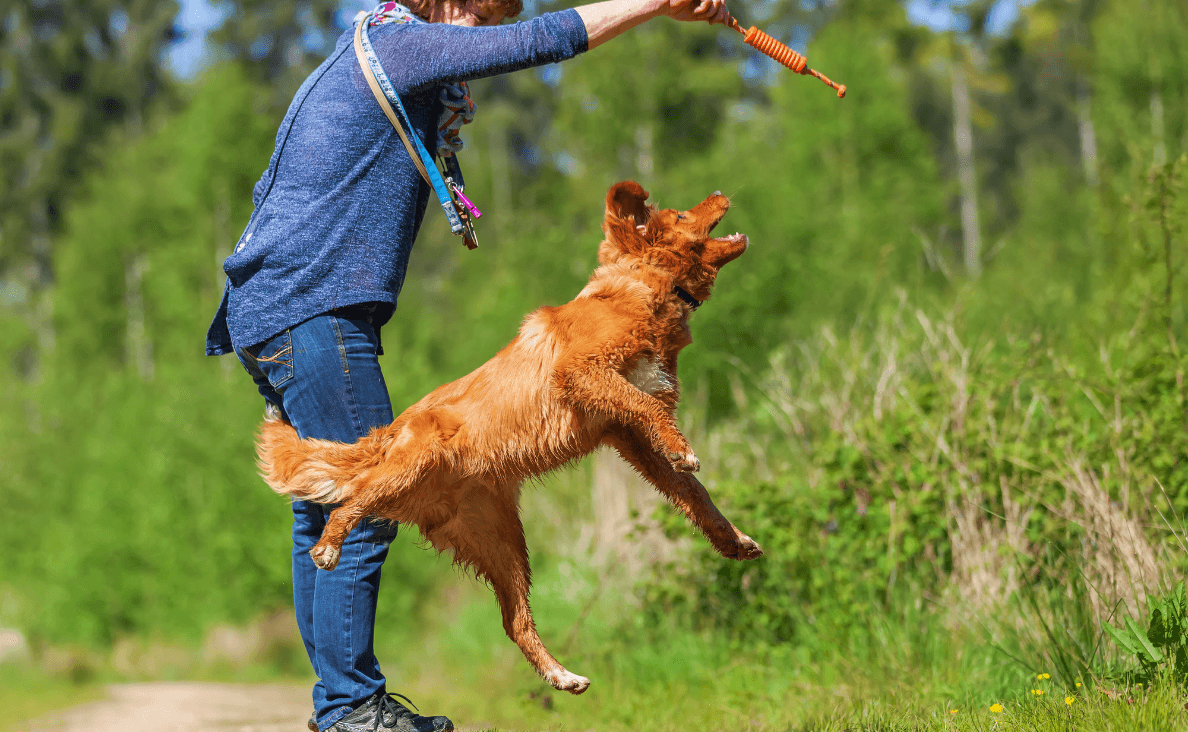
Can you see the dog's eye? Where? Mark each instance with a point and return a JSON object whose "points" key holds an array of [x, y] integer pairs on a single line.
{"points": [[680, 216]]}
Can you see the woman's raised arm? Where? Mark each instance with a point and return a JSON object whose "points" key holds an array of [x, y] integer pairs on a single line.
{"points": [[609, 18]]}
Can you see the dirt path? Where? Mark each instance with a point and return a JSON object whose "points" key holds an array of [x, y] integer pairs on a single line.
{"points": [[189, 706], [186, 707]]}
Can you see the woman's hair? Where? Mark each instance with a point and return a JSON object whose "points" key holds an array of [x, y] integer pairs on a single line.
{"points": [[486, 8]]}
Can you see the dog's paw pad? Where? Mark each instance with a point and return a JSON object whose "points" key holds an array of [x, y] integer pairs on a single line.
{"points": [[325, 557], [563, 680], [687, 463]]}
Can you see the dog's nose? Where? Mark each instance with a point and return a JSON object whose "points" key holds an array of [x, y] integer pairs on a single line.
{"points": [[717, 193]]}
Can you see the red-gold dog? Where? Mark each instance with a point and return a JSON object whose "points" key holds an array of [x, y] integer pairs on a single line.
{"points": [[600, 370]]}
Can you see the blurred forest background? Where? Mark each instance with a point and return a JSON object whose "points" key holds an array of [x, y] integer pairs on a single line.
{"points": [[944, 387]]}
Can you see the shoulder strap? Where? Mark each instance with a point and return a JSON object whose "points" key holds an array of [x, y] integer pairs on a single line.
{"points": [[372, 69]]}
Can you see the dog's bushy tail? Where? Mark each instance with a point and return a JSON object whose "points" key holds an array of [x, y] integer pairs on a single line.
{"points": [[307, 470]]}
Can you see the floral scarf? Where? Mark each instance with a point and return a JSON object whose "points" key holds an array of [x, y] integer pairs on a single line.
{"points": [[457, 109]]}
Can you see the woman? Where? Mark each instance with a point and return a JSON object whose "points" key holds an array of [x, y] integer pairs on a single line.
{"points": [[319, 267]]}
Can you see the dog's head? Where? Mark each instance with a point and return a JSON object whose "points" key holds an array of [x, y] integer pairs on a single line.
{"points": [[675, 241]]}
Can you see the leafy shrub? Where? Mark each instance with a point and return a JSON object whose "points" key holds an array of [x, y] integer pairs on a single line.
{"points": [[986, 473], [1165, 642]]}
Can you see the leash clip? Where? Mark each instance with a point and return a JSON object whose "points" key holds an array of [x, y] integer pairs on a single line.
{"points": [[472, 209], [467, 212]]}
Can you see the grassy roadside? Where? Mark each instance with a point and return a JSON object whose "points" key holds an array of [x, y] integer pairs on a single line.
{"points": [[740, 700], [802, 708], [680, 681], [27, 693], [734, 704], [460, 664]]}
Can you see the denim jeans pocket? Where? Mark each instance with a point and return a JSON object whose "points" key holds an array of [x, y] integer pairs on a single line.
{"points": [[273, 358]]}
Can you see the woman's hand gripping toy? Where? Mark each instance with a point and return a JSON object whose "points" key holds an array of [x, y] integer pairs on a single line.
{"points": [[778, 51]]}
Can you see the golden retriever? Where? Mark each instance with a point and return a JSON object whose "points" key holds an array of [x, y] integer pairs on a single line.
{"points": [[599, 370]]}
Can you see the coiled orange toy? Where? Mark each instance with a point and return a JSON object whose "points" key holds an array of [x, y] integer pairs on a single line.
{"points": [[769, 46]]}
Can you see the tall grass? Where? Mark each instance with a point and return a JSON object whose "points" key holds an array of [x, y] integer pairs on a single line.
{"points": [[920, 483]]}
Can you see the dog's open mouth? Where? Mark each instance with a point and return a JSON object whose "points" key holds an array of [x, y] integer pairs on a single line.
{"points": [[731, 238]]}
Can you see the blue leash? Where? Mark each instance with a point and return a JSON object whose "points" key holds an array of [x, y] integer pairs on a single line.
{"points": [[428, 166]]}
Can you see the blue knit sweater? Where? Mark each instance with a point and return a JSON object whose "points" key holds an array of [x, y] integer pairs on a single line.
{"points": [[338, 209]]}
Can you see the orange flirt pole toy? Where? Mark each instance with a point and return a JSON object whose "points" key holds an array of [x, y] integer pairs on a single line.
{"points": [[769, 46]]}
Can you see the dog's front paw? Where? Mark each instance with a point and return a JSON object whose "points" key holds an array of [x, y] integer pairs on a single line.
{"points": [[748, 548], [325, 557], [740, 547], [563, 680], [687, 463]]}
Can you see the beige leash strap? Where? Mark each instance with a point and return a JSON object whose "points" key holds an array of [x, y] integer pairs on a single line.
{"points": [[383, 101]]}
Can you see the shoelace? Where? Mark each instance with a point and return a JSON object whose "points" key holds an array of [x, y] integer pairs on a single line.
{"points": [[388, 703]]}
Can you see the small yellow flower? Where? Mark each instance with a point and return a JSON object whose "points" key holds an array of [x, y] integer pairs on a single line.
{"points": [[1069, 700], [995, 708], [1139, 684], [1037, 692], [952, 711], [1045, 677], [1078, 684]]}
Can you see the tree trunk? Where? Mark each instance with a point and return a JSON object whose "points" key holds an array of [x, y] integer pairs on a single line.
{"points": [[501, 185], [1088, 133], [138, 348], [1160, 152], [966, 173]]}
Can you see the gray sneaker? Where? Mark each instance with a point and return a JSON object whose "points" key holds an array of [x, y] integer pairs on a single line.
{"points": [[383, 712]]}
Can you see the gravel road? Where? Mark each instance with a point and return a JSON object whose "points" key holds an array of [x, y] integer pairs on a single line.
{"points": [[187, 707]]}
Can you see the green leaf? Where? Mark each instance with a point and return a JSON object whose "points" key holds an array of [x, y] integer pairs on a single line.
{"points": [[1158, 630], [1151, 650], [1121, 639]]}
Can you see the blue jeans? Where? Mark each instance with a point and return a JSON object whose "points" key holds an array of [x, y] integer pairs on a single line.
{"points": [[325, 377]]}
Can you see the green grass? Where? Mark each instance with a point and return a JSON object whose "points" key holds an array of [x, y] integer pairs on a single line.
{"points": [[739, 699], [457, 661], [27, 693]]}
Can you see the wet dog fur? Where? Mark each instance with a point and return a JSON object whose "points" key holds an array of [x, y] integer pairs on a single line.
{"points": [[599, 370]]}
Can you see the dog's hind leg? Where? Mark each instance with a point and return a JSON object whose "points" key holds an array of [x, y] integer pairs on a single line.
{"points": [[486, 535], [685, 492], [401, 462], [342, 521]]}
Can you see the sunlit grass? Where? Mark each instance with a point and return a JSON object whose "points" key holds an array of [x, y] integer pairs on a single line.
{"points": [[26, 692], [678, 679]]}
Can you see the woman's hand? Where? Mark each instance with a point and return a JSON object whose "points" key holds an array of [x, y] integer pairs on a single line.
{"points": [[710, 11]]}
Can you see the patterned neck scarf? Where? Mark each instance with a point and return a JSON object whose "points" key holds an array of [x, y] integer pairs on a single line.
{"points": [[457, 109]]}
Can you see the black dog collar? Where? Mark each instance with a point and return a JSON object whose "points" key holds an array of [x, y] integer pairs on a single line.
{"points": [[693, 302]]}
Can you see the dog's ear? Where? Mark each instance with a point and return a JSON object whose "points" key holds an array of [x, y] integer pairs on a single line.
{"points": [[626, 216], [627, 199]]}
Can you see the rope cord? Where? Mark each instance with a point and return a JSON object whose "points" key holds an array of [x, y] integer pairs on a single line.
{"points": [[769, 46]]}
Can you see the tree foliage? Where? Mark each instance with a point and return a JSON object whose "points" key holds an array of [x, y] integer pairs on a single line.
{"points": [[134, 452]]}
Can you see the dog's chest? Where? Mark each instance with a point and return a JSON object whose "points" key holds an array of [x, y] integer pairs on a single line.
{"points": [[650, 377]]}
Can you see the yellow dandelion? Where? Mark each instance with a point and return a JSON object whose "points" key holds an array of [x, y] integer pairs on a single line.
{"points": [[1069, 700], [1078, 684], [1045, 677], [1037, 692], [952, 711], [995, 708]]}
